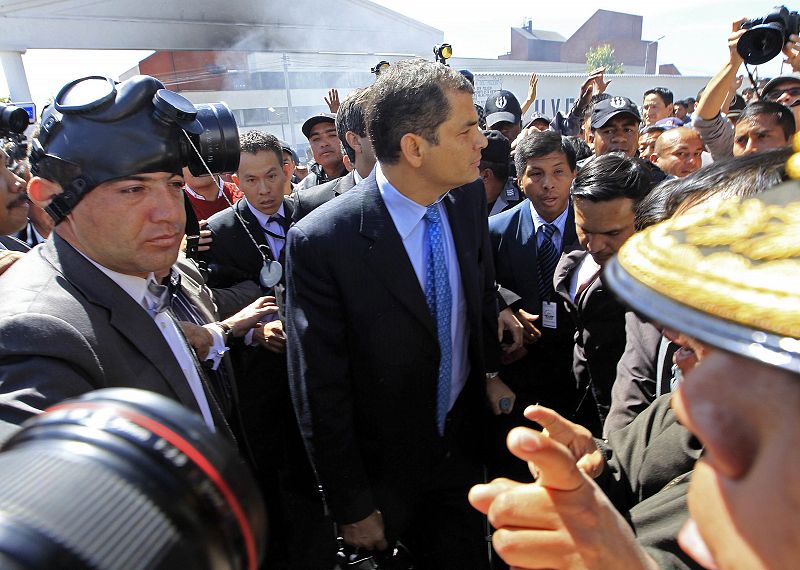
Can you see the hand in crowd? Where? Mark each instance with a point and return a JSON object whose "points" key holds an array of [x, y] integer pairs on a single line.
{"points": [[532, 84], [271, 336], [530, 333], [496, 392], [8, 258], [598, 76], [204, 244], [562, 521], [792, 52], [522, 134], [573, 436], [733, 40], [250, 316], [333, 100], [367, 533], [507, 321], [199, 338]]}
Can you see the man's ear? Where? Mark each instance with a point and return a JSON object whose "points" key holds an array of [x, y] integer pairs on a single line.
{"points": [[654, 159], [235, 178], [354, 141], [486, 174], [42, 191], [412, 148], [287, 171]]}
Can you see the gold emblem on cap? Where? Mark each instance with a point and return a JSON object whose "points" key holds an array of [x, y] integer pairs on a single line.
{"points": [[736, 259]]}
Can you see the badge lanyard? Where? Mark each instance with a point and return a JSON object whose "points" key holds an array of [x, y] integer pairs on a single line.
{"points": [[272, 271]]}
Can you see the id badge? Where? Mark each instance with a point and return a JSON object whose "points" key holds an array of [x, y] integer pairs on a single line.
{"points": [[549, 314]]}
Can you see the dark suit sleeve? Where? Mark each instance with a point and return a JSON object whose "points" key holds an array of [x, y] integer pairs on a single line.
{"points": [[635, 386], [491, 302], [43, 360], [320, 379]]}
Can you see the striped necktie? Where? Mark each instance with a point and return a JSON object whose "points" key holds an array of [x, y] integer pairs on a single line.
{"points": [[547, 258], [439, 298]]}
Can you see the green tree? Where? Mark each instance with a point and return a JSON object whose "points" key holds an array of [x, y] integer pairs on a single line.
{"points": [[603, 56]]}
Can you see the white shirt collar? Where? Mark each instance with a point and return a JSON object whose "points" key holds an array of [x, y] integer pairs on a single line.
{"points": [[198, 196], [134, 286], [560, 222], [405, 212], [263, 218]]}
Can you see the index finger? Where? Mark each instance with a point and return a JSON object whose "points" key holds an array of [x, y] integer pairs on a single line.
{"points": [[549, 419], [555, 464]]}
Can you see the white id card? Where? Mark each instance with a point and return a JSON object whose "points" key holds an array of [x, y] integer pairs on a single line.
{"points": [[549, 314]]}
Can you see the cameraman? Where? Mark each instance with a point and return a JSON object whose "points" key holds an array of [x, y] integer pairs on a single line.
{"points": [[89, 308]]}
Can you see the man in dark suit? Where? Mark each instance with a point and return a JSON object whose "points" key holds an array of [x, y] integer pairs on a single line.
{"points": [[13, 205], [301, 534], [605, 195], [527, 241], [352, 130], [392, 326], [88, 309]]}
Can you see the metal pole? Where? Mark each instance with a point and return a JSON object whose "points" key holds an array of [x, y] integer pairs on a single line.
{"points": [[288, 97]]}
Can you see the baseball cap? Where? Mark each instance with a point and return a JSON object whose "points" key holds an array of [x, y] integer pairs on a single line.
{"points": [[537, 117], [318, 118], [285, 146], [737, 106], [669, 123], [502, 106], [606, 109], [498, 148], [770, 85]]}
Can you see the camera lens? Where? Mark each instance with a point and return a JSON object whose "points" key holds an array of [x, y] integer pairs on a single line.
{"points": [[14, 119], [124, 478], [761, 43], [218, 144]]}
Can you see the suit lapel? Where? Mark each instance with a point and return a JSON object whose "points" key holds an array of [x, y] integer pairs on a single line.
{"points": [[129, 319], [462, 226], [345, 184], [525, 264], [387, 256], [252, 224]]}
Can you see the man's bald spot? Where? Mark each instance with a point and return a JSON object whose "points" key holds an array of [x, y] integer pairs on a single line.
{"points": [[674, 137]]}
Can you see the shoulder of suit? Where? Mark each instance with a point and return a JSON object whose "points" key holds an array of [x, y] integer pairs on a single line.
{"points": [[502, 219]]}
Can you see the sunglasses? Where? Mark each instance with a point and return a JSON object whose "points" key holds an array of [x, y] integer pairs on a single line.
{"points": [[776, 94]]}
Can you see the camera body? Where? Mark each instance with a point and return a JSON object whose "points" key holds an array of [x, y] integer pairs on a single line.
{"points": [[766, 36]]}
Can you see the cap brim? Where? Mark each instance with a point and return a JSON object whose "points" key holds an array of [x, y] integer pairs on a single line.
{"points": [[602, 121], [780, 79], [502, 116], [309, 124], [765, 347]]}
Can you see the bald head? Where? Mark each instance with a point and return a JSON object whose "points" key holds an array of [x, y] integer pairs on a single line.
{"points": [[678, 152]]}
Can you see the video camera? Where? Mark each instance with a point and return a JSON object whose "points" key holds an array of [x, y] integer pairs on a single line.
{"points": [[766, 36]]}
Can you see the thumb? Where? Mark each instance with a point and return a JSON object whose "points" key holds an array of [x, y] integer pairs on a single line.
{"points": [[554, 462]]}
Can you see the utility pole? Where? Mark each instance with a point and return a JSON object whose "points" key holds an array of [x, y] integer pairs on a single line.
{"points": [[647, 51], [289, 112]]}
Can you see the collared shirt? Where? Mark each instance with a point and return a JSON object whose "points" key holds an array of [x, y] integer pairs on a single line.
{"points": [[508, 193], [136, 287], [409, 219], [199, 196], [586, 271], [275, 244], [560, 223], [356, 176]]}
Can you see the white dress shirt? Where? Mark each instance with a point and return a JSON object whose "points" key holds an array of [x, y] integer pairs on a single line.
{"points": [[408, 218], [560, 223], [136, 287]]}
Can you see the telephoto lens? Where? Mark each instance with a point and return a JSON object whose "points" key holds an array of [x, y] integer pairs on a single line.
{"points": [[126, 479]]}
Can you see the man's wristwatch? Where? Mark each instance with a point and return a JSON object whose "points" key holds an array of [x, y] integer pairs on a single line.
{"points": [[492, 375]]}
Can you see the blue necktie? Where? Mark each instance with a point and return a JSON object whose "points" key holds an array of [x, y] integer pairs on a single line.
{"points": [[547, 258], [437, 294]]}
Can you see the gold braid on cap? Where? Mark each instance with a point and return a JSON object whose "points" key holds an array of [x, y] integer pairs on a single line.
{"points": [[736, 259]]}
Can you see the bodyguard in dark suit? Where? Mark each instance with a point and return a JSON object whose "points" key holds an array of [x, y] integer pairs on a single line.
{"points": [[605, 195], [352, 130], [391, 318], [87, 310], [527, 241]]}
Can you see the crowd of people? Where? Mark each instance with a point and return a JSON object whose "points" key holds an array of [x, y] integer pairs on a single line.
{"points": [[458, 336]]}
